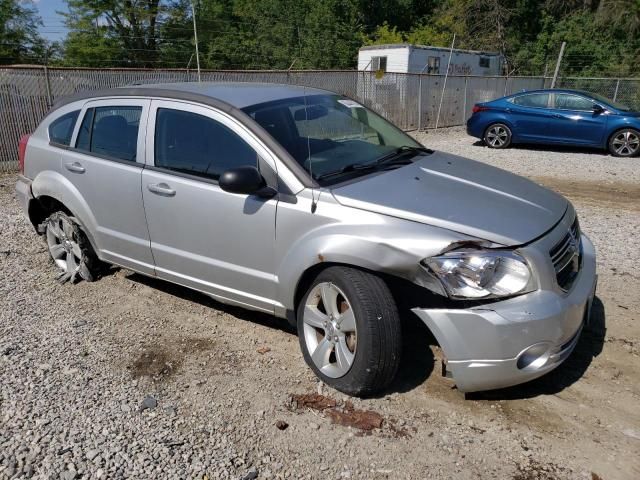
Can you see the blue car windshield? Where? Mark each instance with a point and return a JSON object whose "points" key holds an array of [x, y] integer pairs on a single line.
{"points": [[330, 134], [618, 106]]}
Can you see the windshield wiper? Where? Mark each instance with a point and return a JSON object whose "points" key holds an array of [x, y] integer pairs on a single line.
{"points": [[349, 168], [385, 160], [400, 151]]}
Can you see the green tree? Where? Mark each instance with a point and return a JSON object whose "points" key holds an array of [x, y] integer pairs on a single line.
{"points": [[19, 38], [112, 32], [385, 34]]}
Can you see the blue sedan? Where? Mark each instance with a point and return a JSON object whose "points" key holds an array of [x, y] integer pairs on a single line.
{"points": [[557, 117]]}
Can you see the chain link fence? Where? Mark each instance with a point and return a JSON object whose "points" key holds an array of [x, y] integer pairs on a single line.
{"points": [[621, 90], [411, 101]]}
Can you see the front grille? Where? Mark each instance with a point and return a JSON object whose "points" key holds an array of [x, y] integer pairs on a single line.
{"points": [[566, 256]]}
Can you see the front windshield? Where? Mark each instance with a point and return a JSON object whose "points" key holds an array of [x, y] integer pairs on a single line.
{"points": [[329, 134], [611, 103]]}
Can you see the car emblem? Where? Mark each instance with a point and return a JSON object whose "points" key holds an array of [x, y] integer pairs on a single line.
{"points": [[574, 248]]}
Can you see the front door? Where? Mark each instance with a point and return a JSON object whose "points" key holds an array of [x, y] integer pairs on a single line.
{"points": [[201, 236], [105, 164], [575, 121]]}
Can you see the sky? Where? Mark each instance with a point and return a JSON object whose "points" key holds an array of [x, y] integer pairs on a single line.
{"points": [[53, 28]]}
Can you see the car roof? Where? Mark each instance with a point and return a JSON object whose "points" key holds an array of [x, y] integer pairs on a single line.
{"points": [[553, 90], [235, 94]]}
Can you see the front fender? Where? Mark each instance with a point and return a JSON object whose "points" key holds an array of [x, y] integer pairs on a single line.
{"points": [[53, 184], [389, 245]]}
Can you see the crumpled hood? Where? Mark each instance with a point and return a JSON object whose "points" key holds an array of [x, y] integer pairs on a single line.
{"points": [[462, 195]]}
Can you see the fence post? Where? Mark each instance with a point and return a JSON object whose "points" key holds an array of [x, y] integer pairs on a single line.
{"points": [[464, 102], [420, 102], [557, 70], [47, 85], [615, 94]]}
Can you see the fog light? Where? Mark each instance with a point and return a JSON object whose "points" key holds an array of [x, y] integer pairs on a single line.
{"points": [[534, 357]]}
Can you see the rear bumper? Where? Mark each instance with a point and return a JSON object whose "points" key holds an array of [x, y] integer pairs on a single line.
{"points": [[475, 127], [23, 193], [510, 342]]}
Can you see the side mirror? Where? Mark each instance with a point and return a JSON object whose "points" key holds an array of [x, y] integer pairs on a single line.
{"points": [[245, 180], [598, 109]]}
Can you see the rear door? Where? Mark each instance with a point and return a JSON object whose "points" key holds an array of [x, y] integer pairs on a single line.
{"points": [[575, 122], [530, 116], [105, 164], [201, 236]]}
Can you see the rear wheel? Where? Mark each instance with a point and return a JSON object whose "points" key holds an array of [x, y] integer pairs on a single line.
{"points": [[625, 143], [349, 331], [70, 249], [497, 135]]}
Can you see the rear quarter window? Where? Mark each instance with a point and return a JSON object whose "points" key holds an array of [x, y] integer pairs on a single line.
{"points": [[536, 100], [61, 129]]}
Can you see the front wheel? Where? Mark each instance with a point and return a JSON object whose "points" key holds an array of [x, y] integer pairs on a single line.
{"points": [[625, 143], [497, 135], [349, 331]]}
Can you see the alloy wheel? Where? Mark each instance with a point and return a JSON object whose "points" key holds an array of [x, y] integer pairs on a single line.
{"points": [[626, 143], [497, 136], [63, 246], [330, 330]]}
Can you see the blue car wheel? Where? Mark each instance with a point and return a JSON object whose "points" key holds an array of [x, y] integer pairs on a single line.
{"points": [[625, 143], [497, 135]]}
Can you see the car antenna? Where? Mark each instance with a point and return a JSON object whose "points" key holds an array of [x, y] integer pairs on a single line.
{"points": [[314, 201]]}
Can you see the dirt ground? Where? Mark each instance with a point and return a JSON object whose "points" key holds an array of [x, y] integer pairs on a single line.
{"points": [[235, 399]]}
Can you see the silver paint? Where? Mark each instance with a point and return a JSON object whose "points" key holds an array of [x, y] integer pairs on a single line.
{"points": [[253, 252]]}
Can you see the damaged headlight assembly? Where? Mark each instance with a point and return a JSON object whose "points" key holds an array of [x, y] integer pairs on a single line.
{"points": [[478, 274]]}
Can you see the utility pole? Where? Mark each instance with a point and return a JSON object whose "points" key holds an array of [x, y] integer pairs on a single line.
{"points": [[195, 36], [46, 75], [444, 84], [420, 96], [555, 74]]}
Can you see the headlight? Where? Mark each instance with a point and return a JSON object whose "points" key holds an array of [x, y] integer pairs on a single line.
{"points": [[480, 273]]}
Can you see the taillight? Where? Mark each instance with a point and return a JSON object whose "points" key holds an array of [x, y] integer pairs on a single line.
{"points": [[479, 108], [22, 149]]}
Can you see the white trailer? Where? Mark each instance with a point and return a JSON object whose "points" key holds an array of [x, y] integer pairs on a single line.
{"points": [[407, 58]]}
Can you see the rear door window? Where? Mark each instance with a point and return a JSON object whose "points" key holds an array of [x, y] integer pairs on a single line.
{"points": [[194, 144], [566, 101], [111, 132], [535, 100], [61, 129]]}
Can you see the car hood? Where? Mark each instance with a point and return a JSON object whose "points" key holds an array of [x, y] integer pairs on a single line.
{"points": [[459, 194]]}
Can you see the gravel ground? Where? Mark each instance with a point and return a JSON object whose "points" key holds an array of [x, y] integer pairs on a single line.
{"points": [[130, 377]]}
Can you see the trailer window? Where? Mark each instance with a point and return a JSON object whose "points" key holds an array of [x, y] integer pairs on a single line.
{"points": [[484, 62], [379, 63], [433, 65]]}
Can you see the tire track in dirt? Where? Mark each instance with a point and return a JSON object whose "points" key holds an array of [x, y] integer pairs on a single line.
{"points": [[623, 195]]}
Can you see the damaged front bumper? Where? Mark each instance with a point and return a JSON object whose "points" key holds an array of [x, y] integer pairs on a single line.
{"points": [[516, 340]]}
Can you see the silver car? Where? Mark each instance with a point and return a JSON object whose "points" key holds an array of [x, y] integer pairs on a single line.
{"points": [[307, 205]]}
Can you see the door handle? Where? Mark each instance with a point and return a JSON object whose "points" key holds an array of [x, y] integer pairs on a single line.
{"points": [[74, 167], [556, 115], [161, 189]]}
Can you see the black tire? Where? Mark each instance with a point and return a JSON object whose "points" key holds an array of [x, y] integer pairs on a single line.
{"points": [[497, 135], [89, 266], [379, 338], [624, 143]]}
